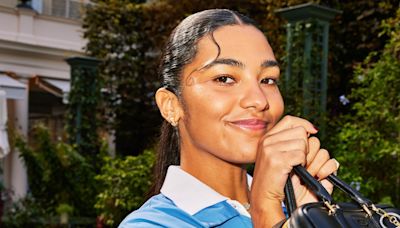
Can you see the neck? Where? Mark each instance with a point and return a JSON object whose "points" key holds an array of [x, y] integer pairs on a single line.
{"points": [[227, 179]]}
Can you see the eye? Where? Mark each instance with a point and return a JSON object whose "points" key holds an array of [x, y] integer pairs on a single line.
{"points": [[225, 79], [269, 81]]}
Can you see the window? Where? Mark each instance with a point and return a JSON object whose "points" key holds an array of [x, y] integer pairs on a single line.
{"points": [[63, 8], [37, 5]]}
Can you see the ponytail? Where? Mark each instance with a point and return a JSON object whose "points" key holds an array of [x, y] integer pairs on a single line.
{"points": [[167, 154]]}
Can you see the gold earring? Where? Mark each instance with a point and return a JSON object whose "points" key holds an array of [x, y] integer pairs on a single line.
{"points": [[172, 119], [173, 122]]}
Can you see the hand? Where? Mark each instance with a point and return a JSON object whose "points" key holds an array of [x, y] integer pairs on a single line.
{"points": [[287, 144], [318, 165]]}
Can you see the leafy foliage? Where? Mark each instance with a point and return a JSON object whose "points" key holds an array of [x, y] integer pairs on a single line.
{"points": [[353, 35], [26, 213], [124, 183], [369, 147], [116, 32], [58, 174], [82, 117]]}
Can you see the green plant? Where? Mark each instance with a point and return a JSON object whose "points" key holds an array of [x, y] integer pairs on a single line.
{"points": [[26, 212], [123, 185], [83, 104], [58, 174], [368, 143], [64, 208]]}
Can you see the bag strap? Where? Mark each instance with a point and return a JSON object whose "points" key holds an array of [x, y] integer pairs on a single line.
{"points": [[290, 199], [344, 187], [313, 185], [320, 191], [310, 182]]}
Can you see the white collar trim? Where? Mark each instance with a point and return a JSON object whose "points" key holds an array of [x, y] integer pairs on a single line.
{"points": [[187, 192], [191, 195]]}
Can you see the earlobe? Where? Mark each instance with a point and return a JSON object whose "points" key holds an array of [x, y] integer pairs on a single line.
{"points": [[169, 106]]}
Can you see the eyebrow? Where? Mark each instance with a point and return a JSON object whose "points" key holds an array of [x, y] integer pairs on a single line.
{"points": [[269, 63], [229, 62], [236, 63]]}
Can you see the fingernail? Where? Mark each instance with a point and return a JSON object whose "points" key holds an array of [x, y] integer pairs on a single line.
{"points": [[337, 163], [316, 128]]}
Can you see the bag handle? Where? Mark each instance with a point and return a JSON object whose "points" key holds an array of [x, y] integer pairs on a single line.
{"points": [[310, 182], [323, 195], [320, 191], [290, 199], [344, 187]]}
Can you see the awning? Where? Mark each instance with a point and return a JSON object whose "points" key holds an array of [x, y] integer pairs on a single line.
{"points": [[4, 145], [57, 87], [13, 88]]}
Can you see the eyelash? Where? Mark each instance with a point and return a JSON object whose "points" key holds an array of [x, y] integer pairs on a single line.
{"points": [[222, 79], [269, 80]]}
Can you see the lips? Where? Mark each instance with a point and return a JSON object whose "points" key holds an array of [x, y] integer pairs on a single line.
{"points": [[251, 124]]}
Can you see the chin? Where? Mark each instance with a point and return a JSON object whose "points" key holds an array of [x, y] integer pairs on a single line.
{"points": [[245, 158]]}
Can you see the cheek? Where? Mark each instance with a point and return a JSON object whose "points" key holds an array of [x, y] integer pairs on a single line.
{"points": [[204, 115], [209, 106], [276, 105]]}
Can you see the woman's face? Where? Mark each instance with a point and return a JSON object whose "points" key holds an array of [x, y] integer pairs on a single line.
{"points": [[230, 102]]}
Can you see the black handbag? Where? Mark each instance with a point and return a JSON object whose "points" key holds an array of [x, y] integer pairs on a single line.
{"points": [[326, 213]]}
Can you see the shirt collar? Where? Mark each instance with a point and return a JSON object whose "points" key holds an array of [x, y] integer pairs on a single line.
{"points": [[194, 198], [190, 199]]}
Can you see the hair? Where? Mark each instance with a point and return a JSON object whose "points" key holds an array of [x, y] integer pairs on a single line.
{"points": [[180, 50]]}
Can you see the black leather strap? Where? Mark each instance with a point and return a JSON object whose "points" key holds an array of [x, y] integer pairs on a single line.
{"points": [[319, 190], [354, 194], [312, 184], [290, 199]]}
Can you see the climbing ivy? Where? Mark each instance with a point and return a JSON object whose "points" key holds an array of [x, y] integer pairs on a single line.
{"points": [[83, 106]]}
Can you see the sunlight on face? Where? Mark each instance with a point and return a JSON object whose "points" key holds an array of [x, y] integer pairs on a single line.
{"points": [[231, 101]]}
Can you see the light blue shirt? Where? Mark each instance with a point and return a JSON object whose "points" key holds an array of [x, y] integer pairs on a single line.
{"points": [[185, 201]]}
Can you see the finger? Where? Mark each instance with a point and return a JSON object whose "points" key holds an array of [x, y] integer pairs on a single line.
{"points": [[286, 135], [330, 167], [327, 185], [287, 145], [288, 122], [294, 157], [319, 160], [282, 160], [313, 148]]}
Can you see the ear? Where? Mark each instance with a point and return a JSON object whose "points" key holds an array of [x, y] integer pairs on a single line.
{"points": [[169, 105]]}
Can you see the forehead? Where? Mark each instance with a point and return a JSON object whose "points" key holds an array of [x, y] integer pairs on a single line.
{"points": [[244, 43]]}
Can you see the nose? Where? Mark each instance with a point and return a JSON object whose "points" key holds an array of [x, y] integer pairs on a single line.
{"points": [[254, 98]]}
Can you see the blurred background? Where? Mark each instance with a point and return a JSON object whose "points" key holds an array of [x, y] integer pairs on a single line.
{"points": [[78, 121]]}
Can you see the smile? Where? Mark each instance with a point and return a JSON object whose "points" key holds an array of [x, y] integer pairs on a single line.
{"points": [[251, 124]]}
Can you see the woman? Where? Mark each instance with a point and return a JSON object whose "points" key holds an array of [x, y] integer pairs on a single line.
{"points": [[223, 110]]}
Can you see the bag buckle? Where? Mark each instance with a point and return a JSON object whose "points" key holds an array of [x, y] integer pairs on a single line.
{"points": [[365, 207], [332, 207]]}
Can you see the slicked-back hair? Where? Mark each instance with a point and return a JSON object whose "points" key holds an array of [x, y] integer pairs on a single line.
{"points": [[179, 51]]}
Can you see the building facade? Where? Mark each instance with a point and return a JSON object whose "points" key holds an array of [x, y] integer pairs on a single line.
{"points": [[35, 39]]}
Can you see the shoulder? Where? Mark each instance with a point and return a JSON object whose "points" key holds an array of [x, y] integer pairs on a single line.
{"points": [[159, 211]]}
